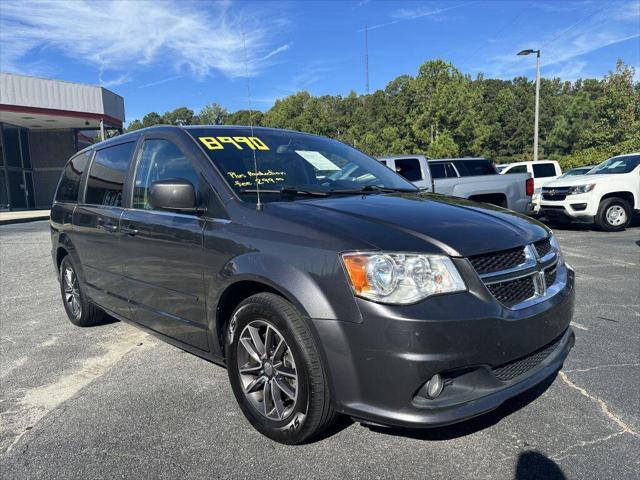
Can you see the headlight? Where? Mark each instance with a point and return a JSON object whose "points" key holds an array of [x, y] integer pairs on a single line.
{"points": [[401, 278], [581, 189]]}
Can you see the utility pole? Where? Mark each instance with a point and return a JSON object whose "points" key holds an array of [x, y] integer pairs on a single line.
{"points": [[537, 109], [366, 57]]}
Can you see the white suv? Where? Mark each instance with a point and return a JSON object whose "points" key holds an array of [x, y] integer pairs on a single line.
{"points": [[542, 172], [608, 194]]}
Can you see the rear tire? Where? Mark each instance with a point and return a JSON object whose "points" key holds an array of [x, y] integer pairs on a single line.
{"points": [[275, 370], [80, 310], [614, 214]]}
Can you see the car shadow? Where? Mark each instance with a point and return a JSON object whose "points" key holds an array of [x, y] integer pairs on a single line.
{"points": [[582, 227], [473, 425], [533, 465]]}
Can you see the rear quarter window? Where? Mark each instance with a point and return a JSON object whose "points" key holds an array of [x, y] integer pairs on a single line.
{"points": [[107, 173], [544, 170], [517, 169], [69, 185]]}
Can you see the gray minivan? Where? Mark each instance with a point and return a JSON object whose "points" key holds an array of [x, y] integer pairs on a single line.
{"points": [[325, 283]]}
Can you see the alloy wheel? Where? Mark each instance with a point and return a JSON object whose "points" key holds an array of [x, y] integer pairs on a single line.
{"points": [[267, 370], [72, 291]]}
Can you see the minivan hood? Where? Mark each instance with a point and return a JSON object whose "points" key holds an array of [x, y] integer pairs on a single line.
{"points": [[454, 226]]}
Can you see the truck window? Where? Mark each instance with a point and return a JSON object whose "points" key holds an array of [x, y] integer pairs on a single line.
{"points": [[544, 170], [409, 168], [70, 181], [517, 169], [437, 170], [107, 173], [468, 168]]}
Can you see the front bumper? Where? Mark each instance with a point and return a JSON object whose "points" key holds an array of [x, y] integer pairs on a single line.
{"points": [[378, 367]]}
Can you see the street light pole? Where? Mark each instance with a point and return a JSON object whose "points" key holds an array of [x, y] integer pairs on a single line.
{"points": [[537, 109], [537, 115]]}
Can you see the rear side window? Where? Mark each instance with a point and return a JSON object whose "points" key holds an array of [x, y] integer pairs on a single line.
{"points": [[469, 168], [544, 170], [442, 170], [437, 170], [517, 169], [107, 174], [70, 181], [160, 160], [409, 168]]}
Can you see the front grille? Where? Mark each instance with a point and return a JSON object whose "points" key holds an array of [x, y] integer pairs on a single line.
{"points": [[518, 367], [513, 292], [496, 261], [556, 194], [550, 276], [543, 247], [555, 197]]}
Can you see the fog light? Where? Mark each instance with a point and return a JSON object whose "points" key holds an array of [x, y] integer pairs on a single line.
{"points": [[435, 386]]}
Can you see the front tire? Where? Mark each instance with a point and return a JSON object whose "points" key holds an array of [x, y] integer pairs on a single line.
{"points": [[614, 215], [275, 370], [80, 311]]}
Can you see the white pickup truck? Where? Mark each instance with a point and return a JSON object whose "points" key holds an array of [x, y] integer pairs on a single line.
{"points": [[542, 172], [608, 195], [473, 178]]}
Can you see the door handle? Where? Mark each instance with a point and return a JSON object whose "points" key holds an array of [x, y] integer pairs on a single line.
{"points": [[109, 227], [129, 230]]}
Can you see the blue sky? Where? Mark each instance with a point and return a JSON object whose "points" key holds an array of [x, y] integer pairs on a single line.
{"points": [[162, 55]]}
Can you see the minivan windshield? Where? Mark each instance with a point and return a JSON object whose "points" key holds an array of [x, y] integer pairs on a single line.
{"points": [[292, 164], [624, 164]]}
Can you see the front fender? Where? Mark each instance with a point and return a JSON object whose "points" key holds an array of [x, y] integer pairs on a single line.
{"points": [[294, 284]]}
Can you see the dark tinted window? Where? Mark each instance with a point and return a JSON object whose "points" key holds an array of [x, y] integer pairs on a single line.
{"points": [[544, 170], [517, 169], [160, 160], [442, 170], [409, 168], [107, 173], [437, 170], [70, 180], [468, 168]]}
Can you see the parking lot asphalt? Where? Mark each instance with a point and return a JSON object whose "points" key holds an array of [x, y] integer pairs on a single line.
{"points": [[113, 402]]}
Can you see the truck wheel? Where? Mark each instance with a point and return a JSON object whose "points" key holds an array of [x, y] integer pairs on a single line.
{"points": [[80, 310], [613, 214], [275, 370]]}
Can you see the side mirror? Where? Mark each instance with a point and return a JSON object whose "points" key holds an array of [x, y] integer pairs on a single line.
{"points": [[176, 195]]}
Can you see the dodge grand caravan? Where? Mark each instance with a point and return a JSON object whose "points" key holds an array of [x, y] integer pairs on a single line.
{"points": [[325, 283]]}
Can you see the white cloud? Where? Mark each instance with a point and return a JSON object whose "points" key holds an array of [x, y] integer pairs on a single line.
{"points": [[405, 14], [122, 36], [278, 50]]}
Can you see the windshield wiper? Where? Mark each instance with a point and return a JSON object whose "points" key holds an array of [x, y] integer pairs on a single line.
{"points": [[287, 191], [372, 189]]}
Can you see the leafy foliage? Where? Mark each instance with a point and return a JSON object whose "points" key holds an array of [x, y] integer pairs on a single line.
{"points": [[444, 113]]}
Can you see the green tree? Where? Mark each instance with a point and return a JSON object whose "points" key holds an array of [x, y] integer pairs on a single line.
{"points": [[150, 119], [179, 116], [443, 146], [212, 114]]}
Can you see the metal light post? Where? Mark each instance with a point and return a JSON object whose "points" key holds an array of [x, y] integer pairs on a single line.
{"points": [[535, 128]]}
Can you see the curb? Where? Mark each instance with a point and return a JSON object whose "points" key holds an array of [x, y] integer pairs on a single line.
{"points": [[24, 220]]}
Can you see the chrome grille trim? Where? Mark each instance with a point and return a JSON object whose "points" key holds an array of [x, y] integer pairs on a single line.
{"points": [[538, 269]]}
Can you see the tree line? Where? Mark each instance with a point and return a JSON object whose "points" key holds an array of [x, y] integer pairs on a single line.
{"points": [[442, 112]]}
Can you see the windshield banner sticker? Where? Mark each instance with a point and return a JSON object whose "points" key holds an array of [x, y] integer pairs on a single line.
{"points": [[218, 143]]}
